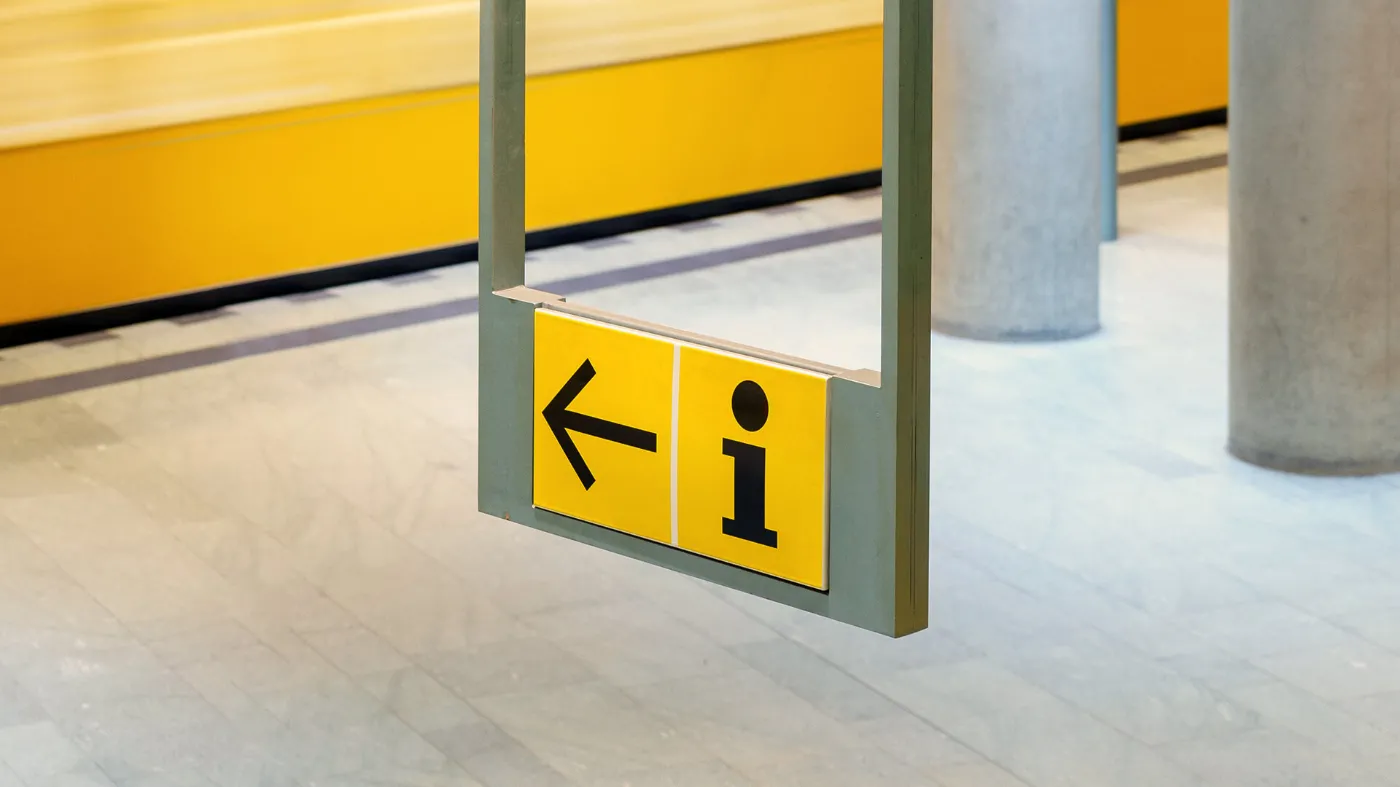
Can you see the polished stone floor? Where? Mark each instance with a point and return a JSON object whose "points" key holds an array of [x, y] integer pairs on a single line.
{"points": [[242, 549]]}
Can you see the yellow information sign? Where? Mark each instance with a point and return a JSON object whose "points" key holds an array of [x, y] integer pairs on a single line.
{"points": [[752, 469], [603, 405], [707, 451]]}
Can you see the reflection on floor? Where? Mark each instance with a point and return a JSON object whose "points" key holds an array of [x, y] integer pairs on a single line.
{"points": [[268, 570]]}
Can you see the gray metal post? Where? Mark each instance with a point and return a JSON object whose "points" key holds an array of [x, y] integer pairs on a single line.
{"points": [[1110, 120]]}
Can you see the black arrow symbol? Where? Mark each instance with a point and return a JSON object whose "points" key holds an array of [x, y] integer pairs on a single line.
{"points": [[562, 420]]}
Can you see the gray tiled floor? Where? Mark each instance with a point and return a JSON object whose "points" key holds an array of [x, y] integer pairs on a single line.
{"points": [[270, 572]]}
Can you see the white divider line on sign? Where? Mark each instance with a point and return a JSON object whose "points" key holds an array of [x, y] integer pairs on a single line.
{"points": [[675, 444]]}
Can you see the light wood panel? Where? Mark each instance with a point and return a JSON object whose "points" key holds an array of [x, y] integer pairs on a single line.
{"points": [[95, 222], [77, 68]]}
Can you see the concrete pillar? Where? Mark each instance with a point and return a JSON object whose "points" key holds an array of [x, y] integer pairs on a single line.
{"points": [[1016, 168], [1314, 203]]}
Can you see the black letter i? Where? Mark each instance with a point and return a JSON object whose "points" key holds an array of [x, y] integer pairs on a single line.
{"points": [[750, 406]]}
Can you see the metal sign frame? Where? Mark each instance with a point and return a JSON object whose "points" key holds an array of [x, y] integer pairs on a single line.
{"points": [[879, 421]]}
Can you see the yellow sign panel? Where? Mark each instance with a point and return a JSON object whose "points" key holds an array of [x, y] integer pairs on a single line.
{"points": [[746, 481], [752, 471], [603, 405]]}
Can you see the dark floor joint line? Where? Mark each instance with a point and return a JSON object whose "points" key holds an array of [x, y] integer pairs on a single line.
{"points": [[1173, 170], [199, 317], [698, 226], [783, 210], [605, 243], [31, 390], [1168, 139], [310, 297], [412, 278], [85, 339]]}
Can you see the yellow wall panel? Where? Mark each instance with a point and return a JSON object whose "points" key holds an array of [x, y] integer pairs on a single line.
{"points": [[702, 127], [124, 218], [108, 220], [1174, 58]]}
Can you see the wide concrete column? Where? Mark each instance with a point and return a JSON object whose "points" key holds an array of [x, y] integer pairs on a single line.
{"points": [[1314, 202], [1016, 168]]}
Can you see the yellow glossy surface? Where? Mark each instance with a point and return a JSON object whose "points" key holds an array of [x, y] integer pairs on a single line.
{"points": [[108, 220]]}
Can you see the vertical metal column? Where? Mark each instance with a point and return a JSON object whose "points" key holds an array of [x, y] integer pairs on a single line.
{"points": [[502, 246], [905, 303], [502, 252], [1110, 120]]}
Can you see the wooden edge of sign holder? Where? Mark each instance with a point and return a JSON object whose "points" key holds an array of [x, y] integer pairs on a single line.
{"points": [[879, 432]]}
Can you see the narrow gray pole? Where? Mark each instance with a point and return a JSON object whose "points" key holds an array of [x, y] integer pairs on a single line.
{"points": [[1110, 120], [1314, 255], [502, 258], [502, 155]]}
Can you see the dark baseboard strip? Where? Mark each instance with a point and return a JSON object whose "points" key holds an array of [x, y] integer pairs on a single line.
{"points": [[174, 306], [1174, 125]]}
